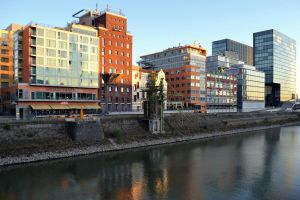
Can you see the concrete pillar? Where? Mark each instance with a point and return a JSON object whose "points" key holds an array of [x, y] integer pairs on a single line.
{"points": [[17, 112]]}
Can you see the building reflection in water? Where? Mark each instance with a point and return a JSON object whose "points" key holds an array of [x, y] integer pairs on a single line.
{"points": [[247, 166]]}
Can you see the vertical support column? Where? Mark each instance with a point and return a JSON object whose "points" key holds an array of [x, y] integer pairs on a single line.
{"points": [[17, 112]]}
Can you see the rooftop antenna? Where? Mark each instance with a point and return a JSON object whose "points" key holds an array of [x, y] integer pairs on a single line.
{"points": [[107, 8], [96, 7]]}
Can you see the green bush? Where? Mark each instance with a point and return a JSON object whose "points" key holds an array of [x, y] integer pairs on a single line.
{"points": [[6, 127]]}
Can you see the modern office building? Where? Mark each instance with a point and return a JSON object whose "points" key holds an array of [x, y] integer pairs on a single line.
{"points": [[213, 63], [115, 61], [275, 54], [221, 93], [250, 87], [184, 67], [58, 69], [227, 46]]}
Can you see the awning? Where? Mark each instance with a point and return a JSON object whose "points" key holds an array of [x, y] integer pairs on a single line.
{"points": [[92, 107], [40, 107], [76, 106], [60, 107]]}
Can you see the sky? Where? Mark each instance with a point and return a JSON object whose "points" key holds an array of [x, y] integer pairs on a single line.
{"points": [[159, 24]]}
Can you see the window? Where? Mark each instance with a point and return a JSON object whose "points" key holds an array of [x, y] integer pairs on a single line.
{"points": [[51, 34], [4, 60], [4, 68], [51, 43]]}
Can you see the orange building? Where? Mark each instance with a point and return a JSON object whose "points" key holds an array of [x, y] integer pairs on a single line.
{"points": [[56, 70], [184, 67], [115, 52], [6, 68]]}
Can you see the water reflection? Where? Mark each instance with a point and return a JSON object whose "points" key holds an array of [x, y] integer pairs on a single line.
{"points": [[255, 166]]}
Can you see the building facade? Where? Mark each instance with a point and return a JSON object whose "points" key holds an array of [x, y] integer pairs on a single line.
{"points": [[56, 70], [7, 81], [275, 54], [213, 63], [115, 62], [140, 78], [184, 67], [225, 46], [6, 58], [221, 93], [250, 87]]}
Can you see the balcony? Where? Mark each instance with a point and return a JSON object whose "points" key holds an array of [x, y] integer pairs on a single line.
{"points": [[33, 51], [33, 43], [33, 61], [33, 32]]}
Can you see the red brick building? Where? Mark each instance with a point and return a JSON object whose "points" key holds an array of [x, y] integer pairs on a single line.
{"points": [[115, 50], [184, 67]]}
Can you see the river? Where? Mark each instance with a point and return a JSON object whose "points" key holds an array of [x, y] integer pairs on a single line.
{"points": [[261, 165]]}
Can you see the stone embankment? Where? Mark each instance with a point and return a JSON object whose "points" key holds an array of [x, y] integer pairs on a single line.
{"points": [[30, 142]]}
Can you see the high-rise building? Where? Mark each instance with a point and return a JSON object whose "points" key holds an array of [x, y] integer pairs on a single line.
{"points": [[227, 46], [115, 63], [56, 70], [275, 54], [250, 87], [184, 67]]}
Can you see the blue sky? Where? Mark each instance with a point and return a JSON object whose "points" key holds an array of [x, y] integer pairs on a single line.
{"points": [[159, 24]]}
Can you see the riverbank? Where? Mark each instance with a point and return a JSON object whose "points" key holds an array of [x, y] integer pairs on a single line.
{"points": [[125, 145]]}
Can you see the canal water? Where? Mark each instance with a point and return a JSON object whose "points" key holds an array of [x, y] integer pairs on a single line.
{"points": [[261, 165]]}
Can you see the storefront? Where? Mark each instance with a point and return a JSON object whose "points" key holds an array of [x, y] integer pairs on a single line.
{"points": [[35, 110]]}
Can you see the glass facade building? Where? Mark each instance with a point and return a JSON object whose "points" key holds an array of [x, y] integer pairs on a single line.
{"points": [[222, 47], [214, 62], [250, 87], [275, 54], [64, 58], [221, 92]]}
